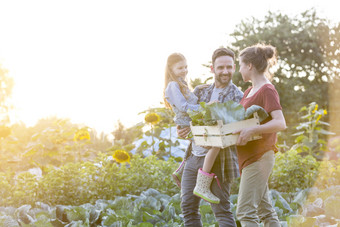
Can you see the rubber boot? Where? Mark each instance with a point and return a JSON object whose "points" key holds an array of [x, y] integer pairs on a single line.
{"points": [[202, 188], [177, 175]]}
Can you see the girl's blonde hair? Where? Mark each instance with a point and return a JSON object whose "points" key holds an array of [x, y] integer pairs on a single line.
{"points": [[169, 76]]}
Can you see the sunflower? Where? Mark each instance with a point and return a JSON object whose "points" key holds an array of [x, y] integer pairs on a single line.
{"points": [[82, 134], [121, 156], [152, 118]]}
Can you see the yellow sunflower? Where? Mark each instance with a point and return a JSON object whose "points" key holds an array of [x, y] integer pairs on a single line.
{"points": [[152, 118], [82, 134], [121, 156]]}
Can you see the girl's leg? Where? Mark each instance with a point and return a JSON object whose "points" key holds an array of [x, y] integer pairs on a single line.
{"points": [[205, 178], [210, 158]]}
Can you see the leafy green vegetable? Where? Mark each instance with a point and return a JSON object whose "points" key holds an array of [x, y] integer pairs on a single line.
{"points": [[227, 112]]}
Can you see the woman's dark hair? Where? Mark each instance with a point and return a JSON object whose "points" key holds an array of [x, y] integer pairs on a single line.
{"points": [[261, 56]]}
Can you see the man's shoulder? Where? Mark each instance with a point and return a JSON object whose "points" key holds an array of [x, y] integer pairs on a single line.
{"points": [[234, 87], [199, 89]]}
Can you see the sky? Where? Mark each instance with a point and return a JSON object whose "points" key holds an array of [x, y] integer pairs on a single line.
{"points": [[96, 62]]}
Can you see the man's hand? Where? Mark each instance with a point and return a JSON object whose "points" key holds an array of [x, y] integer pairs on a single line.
{"points": [[201, 86], [183, 132]]}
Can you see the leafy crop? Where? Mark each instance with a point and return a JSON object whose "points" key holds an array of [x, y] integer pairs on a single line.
{"points": [[228, 112]]}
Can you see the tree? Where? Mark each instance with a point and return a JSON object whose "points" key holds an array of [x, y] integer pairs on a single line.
{"points": [[308, 56]]}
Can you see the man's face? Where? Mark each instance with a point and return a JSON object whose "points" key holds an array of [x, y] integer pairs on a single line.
{"points": [[223, 68]]}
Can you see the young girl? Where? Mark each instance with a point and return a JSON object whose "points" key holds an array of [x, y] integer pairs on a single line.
{"points": [[256, 158], [179, 98]]}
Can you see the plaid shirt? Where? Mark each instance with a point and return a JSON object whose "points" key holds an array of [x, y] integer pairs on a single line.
{"points": [[228, 155]]}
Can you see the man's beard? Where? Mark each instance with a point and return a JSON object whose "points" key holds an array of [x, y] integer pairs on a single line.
{"points": [[223, 82]]}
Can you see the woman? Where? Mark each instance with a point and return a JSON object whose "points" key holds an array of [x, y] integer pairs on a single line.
{"points": [[256, 158]]}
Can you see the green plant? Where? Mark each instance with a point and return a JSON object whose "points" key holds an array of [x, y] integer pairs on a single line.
{"points": [[154, 130], [86, 182], [310, 137], [293, 172], [228, 112]]}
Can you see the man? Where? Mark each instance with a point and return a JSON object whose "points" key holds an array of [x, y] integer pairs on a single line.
{"points": [[225, 166]]}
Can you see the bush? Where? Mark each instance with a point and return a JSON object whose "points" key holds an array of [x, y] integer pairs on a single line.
{"points": [[79, 183], [293, 172]]}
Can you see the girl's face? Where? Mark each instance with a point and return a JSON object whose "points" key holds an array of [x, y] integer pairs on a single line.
{"points": [[180, 69], [244, 70]]}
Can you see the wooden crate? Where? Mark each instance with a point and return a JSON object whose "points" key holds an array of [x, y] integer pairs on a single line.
{"points": [[220, 135]]}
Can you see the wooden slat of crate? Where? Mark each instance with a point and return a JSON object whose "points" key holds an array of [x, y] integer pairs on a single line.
{"points": [[220, 135], [219, 141], [234, 126], [208, 141], [207, 130]]}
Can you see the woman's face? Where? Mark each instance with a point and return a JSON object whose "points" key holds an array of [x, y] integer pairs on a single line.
{"points": [[180, 69], [244, 70]]}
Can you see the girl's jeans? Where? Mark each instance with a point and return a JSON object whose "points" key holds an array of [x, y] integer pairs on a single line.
{"points": [[190, 202]]}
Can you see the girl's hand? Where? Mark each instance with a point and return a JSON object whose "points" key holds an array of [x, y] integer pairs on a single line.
{"points": [[245, 135]]}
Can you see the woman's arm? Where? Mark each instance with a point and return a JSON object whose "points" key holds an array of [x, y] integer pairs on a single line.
{"points": [[278, 123]]}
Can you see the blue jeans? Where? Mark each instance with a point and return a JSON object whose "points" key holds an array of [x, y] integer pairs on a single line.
{"points": [[190, 202]]}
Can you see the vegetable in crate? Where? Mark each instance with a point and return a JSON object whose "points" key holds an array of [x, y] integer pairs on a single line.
{"points": [[227, 112]]}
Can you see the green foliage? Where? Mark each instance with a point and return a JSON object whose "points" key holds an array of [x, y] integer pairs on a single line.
{"points": [[227, 112], [328, 174], [154, 131], [125, 136], [307, 47], [79, 183], [311, 135], [198, 81], [150, 208], [293, 172], [52, 141]]}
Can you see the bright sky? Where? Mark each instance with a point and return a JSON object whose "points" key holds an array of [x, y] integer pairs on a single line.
{"points": [[98, 61]]}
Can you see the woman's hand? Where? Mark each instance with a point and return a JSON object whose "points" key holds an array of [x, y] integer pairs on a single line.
{"points": [[276, 124], [245, 135]]}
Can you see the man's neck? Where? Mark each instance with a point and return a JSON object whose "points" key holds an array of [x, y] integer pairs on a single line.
{"points": [[219, 85]]}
